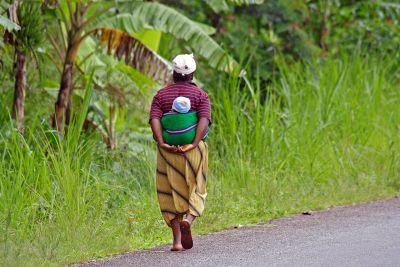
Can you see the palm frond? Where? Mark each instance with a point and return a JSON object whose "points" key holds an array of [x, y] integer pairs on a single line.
{"points": [[136, 54]]}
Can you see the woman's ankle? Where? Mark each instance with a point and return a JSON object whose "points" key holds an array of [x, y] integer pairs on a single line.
{"points": [[190, 218]]}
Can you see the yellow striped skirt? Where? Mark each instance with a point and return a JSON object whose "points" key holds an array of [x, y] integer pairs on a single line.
{"points": [[181, 182]]}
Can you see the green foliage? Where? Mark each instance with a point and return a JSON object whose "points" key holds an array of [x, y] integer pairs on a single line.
{"points": [[217, 6], [168, 20], [75, 128], [300, 29], [8, 24], [223, 5], [30, 36], [274, 28], [372, 24]]}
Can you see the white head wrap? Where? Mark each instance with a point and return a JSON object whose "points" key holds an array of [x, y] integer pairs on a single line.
{"points": [[184, 64], [181, 104]]}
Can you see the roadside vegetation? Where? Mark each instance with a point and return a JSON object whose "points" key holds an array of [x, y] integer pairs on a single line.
{"points": [[295, 133]]}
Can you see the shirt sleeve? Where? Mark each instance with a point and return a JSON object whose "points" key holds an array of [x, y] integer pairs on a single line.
{"points": [[155, 111], [204, 108]]}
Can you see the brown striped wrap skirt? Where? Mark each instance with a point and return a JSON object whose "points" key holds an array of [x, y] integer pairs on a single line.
{"points": [[181, 182]]}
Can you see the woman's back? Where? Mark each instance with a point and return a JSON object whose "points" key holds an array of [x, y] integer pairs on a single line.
{"points": [[164, 98]]}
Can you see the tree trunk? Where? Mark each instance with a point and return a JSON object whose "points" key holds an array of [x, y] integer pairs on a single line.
{"points": [[112, 140], [63, 104], [64, 95], [324, 30], [19, 91], [63, 114]]}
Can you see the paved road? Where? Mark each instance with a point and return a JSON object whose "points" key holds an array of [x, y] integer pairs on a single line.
{"points": [[361, 235]]}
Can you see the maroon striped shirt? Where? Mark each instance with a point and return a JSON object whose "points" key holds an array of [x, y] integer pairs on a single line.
{"points": [[199, 100]]}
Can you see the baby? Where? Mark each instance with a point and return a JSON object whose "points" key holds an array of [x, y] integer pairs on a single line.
{"points": [[179, 125], [181, 104]]}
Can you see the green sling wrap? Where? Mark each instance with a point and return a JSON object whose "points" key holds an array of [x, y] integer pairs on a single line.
{"points": [[179, 128]]}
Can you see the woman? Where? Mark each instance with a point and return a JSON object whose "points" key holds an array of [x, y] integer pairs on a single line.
{"points": [[181, 170]]}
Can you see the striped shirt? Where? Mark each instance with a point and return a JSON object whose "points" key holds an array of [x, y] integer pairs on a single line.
{"points": [[199, 100]]}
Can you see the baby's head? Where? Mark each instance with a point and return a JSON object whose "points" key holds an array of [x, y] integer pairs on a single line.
{"points": [[181, 104]]}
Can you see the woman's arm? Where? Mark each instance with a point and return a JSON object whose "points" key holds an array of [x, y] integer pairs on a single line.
{"points": [[200, 132], [204, 113], [155, 123], [157, 134], [157, 130]]}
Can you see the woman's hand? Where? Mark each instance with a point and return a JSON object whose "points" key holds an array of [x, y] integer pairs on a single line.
{"points": [[169, 148], [177, 149], [186, 148]]}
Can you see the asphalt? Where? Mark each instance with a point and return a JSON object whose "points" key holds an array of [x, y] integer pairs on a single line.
{"points": [[359, 235]]}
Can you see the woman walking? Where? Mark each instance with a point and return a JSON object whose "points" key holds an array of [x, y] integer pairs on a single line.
{"points": [[181, 169]]}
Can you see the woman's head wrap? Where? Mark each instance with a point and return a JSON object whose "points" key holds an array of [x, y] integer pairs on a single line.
{"points": [[184, 64]]}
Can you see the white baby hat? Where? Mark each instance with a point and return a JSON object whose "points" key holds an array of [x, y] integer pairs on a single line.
{"points": [[181, 104]]}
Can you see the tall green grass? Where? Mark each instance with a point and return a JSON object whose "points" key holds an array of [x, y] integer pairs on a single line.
{"points": [[324, 133]]}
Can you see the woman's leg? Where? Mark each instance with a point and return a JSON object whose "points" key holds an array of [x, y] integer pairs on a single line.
{"points": [[196, 176], [176, 232], [190, 218]]}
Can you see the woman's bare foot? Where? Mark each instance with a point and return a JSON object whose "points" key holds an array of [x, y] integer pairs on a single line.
{"points": [[186, 235], [176, 232], [177, 247]]}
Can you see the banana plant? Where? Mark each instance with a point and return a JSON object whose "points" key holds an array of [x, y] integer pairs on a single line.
{"points": [[115, 23], [117, 87]]}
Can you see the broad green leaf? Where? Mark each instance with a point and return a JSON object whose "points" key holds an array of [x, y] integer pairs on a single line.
{"points": [[168, 20], [110, 70], [50, 84], [125, 22], [223, 5], [217, 5], [88, 51], [206, 28], [150, 38], [8, 24]]}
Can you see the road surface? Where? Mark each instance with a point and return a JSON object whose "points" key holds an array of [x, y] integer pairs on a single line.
{"points": [[360, 235]]}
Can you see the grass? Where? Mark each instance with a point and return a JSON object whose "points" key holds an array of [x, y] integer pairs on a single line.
{"points": [[324, 133]]}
